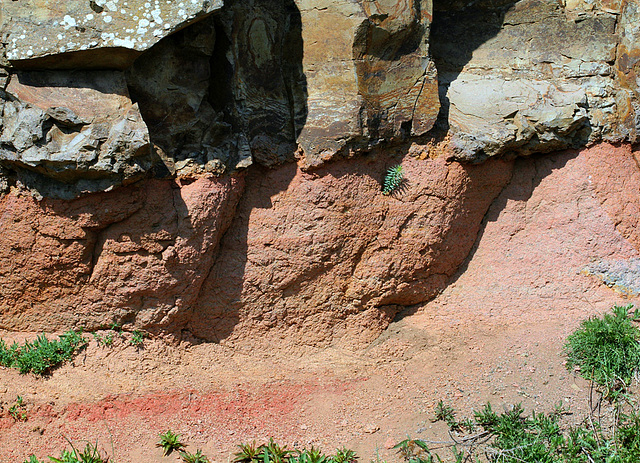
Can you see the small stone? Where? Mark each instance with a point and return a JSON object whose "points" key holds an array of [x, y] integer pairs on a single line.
{"points": [[372, 428]]}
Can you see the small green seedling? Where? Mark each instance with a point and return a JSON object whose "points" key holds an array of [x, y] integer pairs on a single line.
{"points": [[137, 339], [117, 327], [106, 340], [393, 180], [170, 442], [345, 455], [197, 457], [18, 410]]}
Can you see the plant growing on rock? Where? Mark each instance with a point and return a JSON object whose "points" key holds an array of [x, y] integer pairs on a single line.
{"points": [[137, 339], [393, 179]]}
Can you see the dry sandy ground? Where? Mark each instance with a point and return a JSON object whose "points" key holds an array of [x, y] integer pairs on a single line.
{"points": [[123, 397], [495, 334]]}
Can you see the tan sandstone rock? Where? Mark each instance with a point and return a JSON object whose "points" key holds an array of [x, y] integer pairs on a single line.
{"points": [[369, 73], [531, 76]]}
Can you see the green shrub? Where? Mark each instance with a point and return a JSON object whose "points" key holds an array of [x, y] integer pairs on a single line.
{"points": [[41, 355], [607, 350]]}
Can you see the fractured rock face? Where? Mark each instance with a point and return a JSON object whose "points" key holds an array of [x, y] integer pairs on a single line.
{"points": [[80, 128], [138, 253], [370, 76], [529, 76], [325, 256], [628, 67], [91, 33]]}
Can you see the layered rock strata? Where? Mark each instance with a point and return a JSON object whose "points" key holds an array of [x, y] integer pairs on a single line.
{"points": [[216, 166], [536, 76]]}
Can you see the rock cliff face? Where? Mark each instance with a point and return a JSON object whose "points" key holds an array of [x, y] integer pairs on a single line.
{"points": [[216, 166]]}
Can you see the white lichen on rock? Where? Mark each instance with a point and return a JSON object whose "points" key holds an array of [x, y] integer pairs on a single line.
{"points": [[77, 25]]}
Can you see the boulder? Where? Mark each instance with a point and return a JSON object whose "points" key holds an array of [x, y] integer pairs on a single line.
{"points": [[91, 33], [530, 76], [80, 129], [369, 74]]}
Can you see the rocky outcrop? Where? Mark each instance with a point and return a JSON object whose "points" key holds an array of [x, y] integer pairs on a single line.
{"points": [[628, 67], [216, 166], [91, 33], [554, 245], [312, 258], [533, 76], [260, 81], [81, 129], [370, 76], [139, 253]]}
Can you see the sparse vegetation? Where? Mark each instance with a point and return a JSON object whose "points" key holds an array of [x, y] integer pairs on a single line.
{"points": [[18, 410], [393, 179], [137, 338], [103, 340], [604, 350], [41, 355], [197, 457], [90, 454], [273, 452]]}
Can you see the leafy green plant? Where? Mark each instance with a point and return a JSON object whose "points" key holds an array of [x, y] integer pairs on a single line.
{"points": [[345, 455], [106, 340], [41, 355], [607, 350], [170, 442], [197, 457], [274, 453], [18, 410], [248, 453], [393, 179], [137, 338], [32, 459]]}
